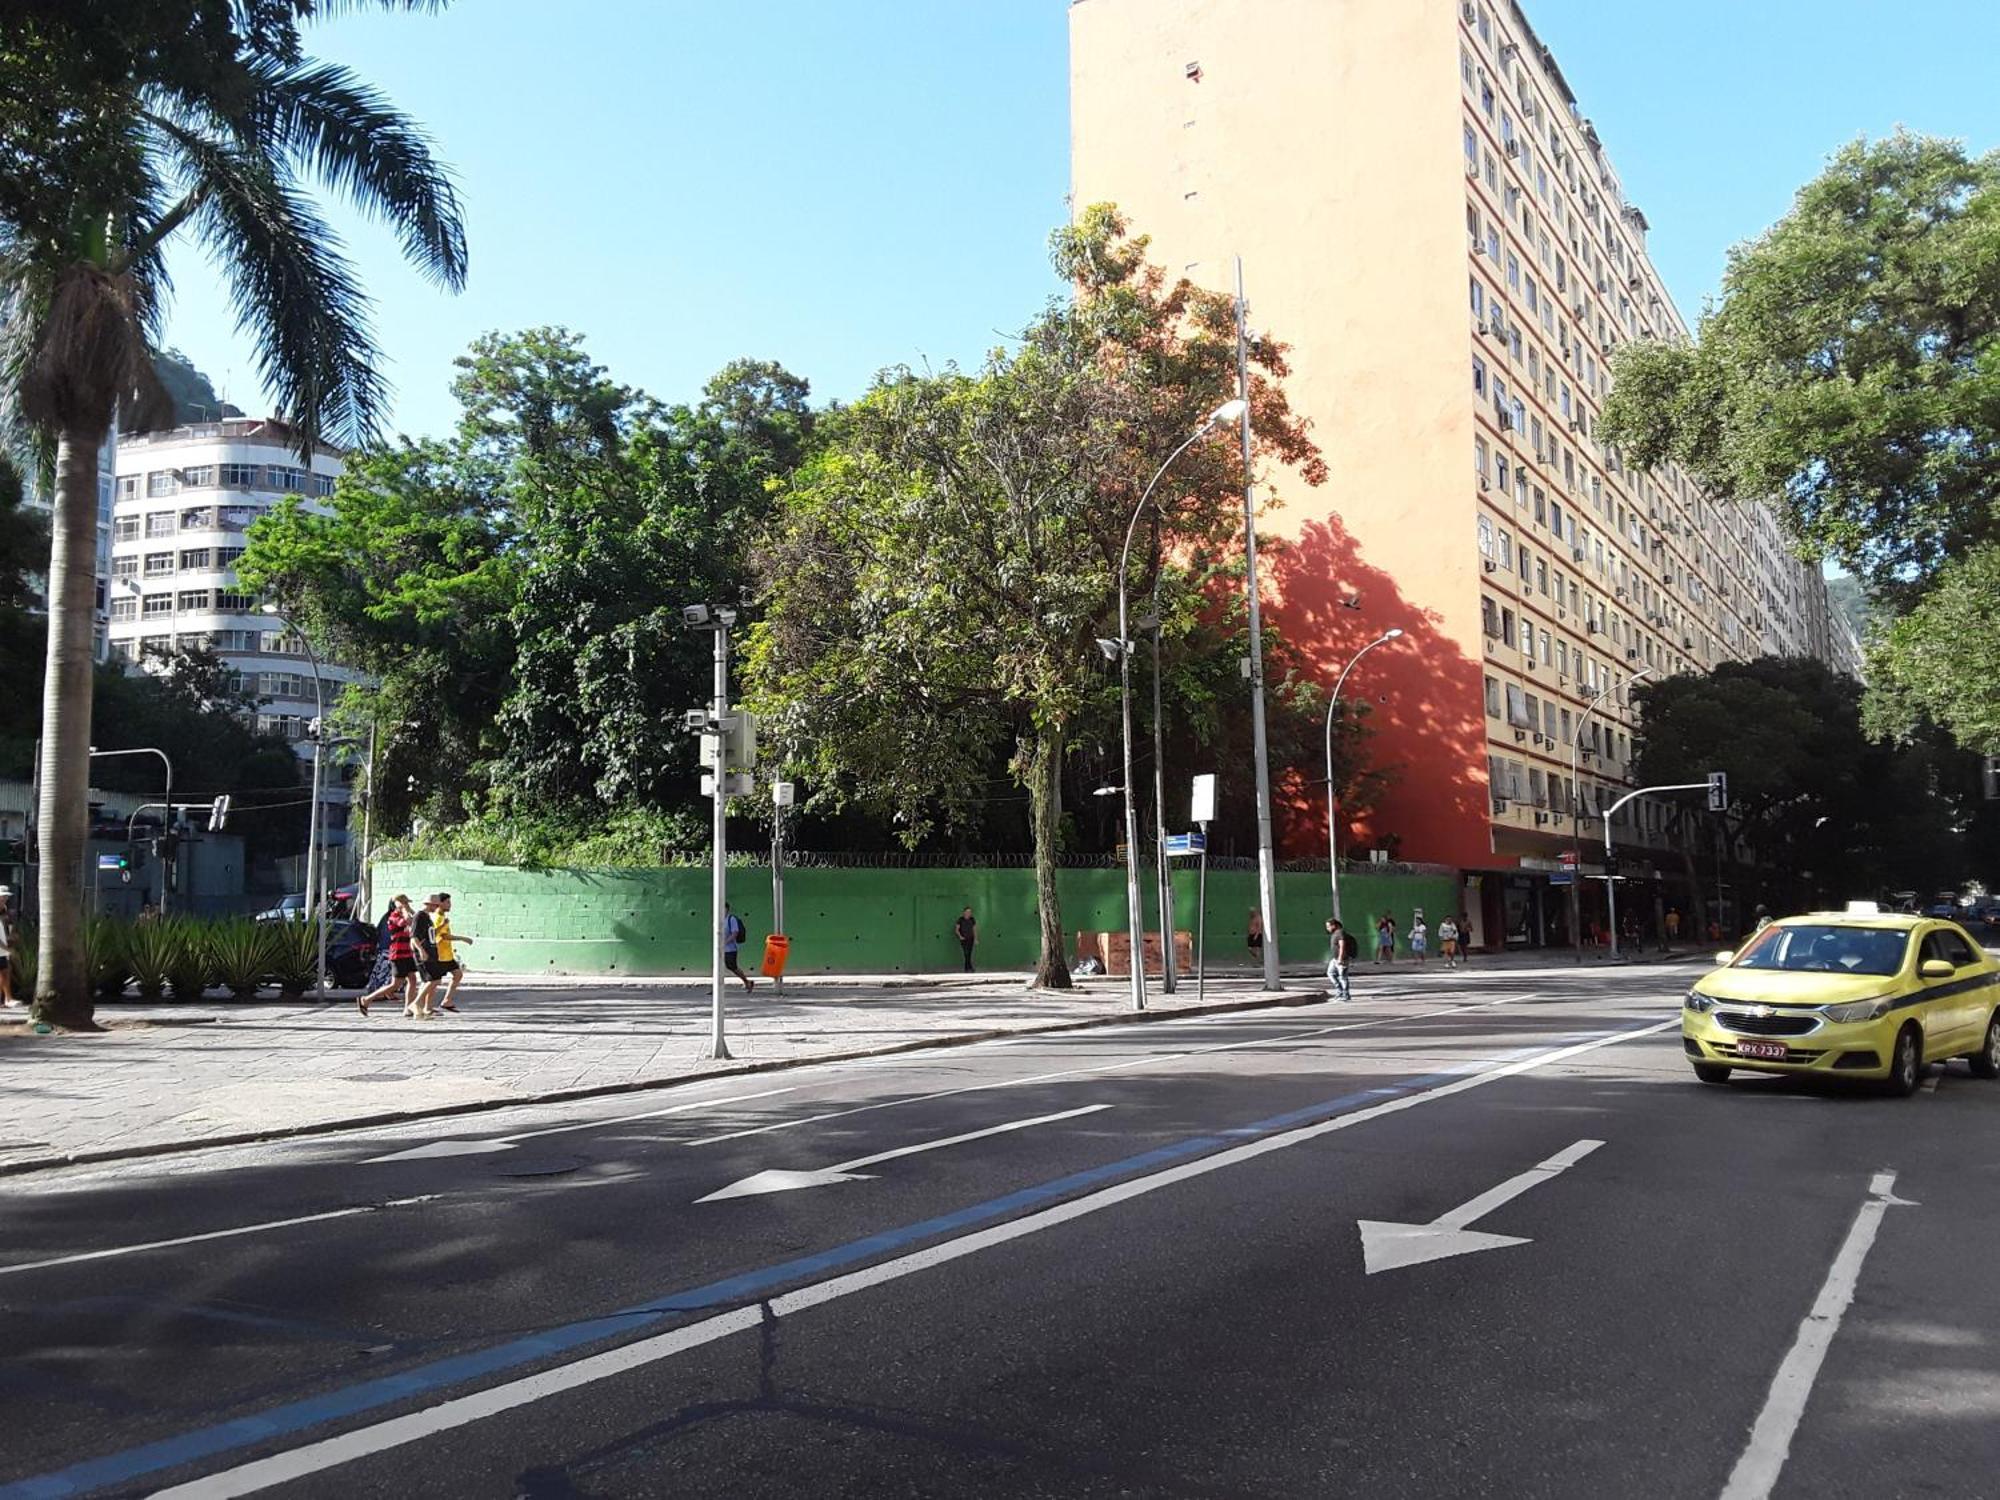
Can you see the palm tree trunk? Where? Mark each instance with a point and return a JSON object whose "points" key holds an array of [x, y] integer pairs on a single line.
{"points": [[62, 980], [1041, 765]]}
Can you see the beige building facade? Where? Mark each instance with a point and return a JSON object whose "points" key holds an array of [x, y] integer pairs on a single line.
{"points": [[1428, 219]]}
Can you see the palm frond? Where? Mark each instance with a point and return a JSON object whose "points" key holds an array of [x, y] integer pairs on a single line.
{"points": [[323, 118], [297, 296]]}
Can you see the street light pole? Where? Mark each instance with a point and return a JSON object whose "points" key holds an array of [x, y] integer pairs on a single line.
{"points": [[1576, 816], [1332, 800], [1135, 917], [1163, 871], [315, 905], [167, 863], [1267, 869], [718, 1046]]}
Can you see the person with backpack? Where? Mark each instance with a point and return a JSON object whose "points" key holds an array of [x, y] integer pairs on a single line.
{"points": [[1343, 949], [734, 936]]}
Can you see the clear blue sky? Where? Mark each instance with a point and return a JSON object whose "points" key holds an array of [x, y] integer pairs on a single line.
{"points": [[843, 186]]}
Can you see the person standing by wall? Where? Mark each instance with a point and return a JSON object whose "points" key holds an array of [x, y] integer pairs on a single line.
{"points": [[966, 929], [1254, 937], [734, 936], [1385, 939], [1342, 950], [7, 946]]}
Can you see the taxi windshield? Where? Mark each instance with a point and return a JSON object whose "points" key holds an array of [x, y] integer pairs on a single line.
{"points": [[1810, 948]]}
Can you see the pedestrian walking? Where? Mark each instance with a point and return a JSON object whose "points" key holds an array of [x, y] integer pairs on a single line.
{"points": [[1465, 939], [1385, 939], [1448, 940], [444, 966], [1342, 949], [967, 931], [1253, 937], [7, 947], [734, 936], [423, 948], [1673, 924], [1420, 936], [393, 938]]}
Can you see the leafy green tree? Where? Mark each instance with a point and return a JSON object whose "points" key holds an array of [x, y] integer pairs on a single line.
{"points": [[24, 553], [938, 577], [124, 124], [1826, 812], [1851, 375]]}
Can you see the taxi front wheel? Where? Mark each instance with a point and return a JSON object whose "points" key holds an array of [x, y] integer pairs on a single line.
{"points": [[1986, 1061], [1906, 1063], [1711, 1072]]}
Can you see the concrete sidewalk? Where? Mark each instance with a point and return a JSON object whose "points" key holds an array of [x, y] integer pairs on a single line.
{"points": [[165, 1077]]}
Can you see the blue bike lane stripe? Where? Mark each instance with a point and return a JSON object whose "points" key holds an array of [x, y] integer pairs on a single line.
{"points": [[296, 1417]]}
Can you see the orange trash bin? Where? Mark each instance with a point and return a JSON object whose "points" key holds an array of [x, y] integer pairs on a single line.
{"points": [[777, 948]]}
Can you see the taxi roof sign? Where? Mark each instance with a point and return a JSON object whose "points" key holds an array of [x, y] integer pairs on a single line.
{"points": [[1864, 908]]}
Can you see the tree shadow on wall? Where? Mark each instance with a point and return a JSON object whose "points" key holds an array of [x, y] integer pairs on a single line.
{"points": [[1425, 705]]}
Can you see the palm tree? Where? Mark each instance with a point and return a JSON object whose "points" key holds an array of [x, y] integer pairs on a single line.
{"points": [[122, 126]]}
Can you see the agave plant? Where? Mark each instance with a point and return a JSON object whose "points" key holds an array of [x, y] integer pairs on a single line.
{"points": [[21, 960], [149, 950], [241, 951], [105, 948], [189, 966], [294, 956]]}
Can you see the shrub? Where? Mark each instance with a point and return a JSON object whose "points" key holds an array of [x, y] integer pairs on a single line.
{"points": [[240, 952], [21, 960], [189, 965], [149, 949], [106, 948], [294, 956]]}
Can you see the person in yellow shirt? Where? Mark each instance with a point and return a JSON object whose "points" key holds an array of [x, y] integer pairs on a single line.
{"points": [[443, 964]]}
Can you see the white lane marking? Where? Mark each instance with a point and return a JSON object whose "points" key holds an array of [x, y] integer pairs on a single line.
{"points": [[462, 1147], [1757, 1471], [214, 1234], [849, 1171], [380, 1437], [1386, 1246], [1130, 1062]]}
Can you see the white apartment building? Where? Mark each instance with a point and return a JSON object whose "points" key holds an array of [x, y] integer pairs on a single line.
{"points": [[184, 500], [37, 498]]}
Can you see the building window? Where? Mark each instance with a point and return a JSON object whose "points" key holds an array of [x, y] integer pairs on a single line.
{"points": [[285, 477], [225, 557], [159, 564], [124, 607], [197, 559], [125, 567], [128, 487], [1485, 536], [1517, 708], [238, 517], [1492, 699], [200, 518], [201, 478], [161, 482], [160, 523], [230, 602], [236, 640], [156, 645], [158, 604], [322, 485], [194, 599], [1478, 376], [125, 529]]}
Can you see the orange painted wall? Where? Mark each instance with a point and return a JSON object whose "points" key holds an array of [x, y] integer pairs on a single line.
{"points": [[1320, 141]]}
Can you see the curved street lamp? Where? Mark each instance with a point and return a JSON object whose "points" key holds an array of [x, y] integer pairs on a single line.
{"points": [[1332, 818], [315, 906], [1576, 816], [1121, 649]]}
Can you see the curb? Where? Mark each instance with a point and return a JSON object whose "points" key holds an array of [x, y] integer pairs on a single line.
{"points": [[25, 1165]]}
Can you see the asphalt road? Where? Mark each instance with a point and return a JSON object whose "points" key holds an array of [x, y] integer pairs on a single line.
{"points": [[1118, 1262]]}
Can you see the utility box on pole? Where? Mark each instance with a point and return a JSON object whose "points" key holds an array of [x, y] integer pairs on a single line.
{"points": [[1718, 791]]}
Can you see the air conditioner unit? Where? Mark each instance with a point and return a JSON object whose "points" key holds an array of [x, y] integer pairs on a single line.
{"points": [[1485, 483], [1520, 736], [1470, 12], [1491, 565], [1687, 643], [1576, 554], [1540, 819], [1515, 150], [1499, 805], [1635, 281], [1608, 348], [1631, 653], [1562, 614], [1576, 424], [1471, 167], [1604, 283]]}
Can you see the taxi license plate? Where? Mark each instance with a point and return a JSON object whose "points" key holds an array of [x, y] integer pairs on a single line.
{"points": [[1764, 1051]]}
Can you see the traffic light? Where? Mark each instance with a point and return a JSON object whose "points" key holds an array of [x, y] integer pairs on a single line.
{"points": [[1718, 791]]}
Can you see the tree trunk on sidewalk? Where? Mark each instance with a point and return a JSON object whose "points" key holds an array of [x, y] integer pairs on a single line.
{"points": [[62, 980], [1040, 762]]}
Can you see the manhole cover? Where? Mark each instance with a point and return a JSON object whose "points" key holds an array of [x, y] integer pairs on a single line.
{"points": [[539, 1166]]}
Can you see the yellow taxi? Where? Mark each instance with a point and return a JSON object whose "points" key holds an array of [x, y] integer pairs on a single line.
{"points": [[1860, 993]]}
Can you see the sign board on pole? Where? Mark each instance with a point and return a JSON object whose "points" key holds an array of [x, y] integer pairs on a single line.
{"points": [[1564, 878], [113, 862], [1184, 845], [1204, 799]]}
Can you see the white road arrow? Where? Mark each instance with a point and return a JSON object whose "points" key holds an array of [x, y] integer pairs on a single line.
{"points": [[849, 1171], [1388, 1247], [432, 1149]]}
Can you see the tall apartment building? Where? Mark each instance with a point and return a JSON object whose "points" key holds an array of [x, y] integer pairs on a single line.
{"points": [[1428, 218], [38, 498], [184, 499]]}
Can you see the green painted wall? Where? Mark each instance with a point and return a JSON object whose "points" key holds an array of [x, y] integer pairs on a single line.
{"points": [[848, 921]]}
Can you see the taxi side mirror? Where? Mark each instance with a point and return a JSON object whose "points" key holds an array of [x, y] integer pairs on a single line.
{"points": [[1935, 968], [1724, 957]]}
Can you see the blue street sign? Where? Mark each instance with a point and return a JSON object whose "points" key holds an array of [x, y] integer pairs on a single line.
{"points": [[1181, 845], [1562, 877]]}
